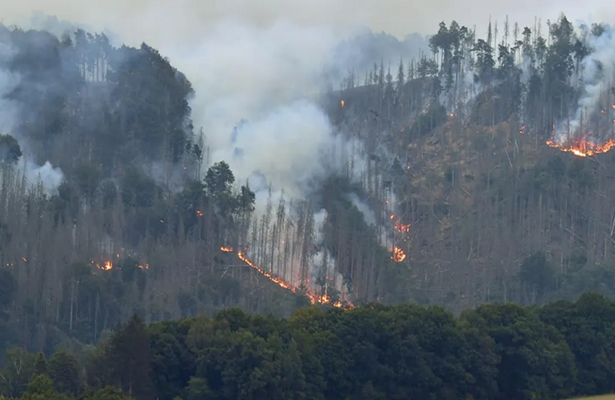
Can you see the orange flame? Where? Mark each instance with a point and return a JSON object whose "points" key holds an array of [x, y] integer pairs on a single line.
{"points": [[398, 255], [314, 298], [107, 266], [342, 103], [199, 213], [399, 227], [582, 147]]}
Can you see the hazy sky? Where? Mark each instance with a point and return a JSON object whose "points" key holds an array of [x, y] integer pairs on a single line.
{"points": [[156, 20]]}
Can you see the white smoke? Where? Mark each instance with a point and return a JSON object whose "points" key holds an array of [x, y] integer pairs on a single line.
{"points": [[597, 76], [364, 209], [323, 264], [269, 78], [48, 176]]}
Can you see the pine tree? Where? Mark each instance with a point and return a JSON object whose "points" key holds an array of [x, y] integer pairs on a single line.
{"points": [[63, 370], [401, 78], [40, 364], [130, 355]]}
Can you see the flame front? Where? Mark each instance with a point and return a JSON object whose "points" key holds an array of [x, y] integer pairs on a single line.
{"points": [[342, 103], [398, 255], [582, 147], [313, 297], [584, 142], [107, 266], [399, 226]]}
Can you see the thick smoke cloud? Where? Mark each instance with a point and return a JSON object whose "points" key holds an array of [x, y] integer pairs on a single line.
{"points": [[262, 61], [162, 22], [598, 73], [48, 176]]}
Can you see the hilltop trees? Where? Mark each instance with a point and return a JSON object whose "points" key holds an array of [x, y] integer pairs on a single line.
{"points": [[499, 351]]}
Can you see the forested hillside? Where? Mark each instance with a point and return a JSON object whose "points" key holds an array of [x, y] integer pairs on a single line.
{"points": [[496, 352], [496, 151], [452, 190]]}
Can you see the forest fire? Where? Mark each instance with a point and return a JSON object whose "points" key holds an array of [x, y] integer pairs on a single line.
{"points": [[399, 226], [314, 298], [107, 266], [342, 103], [582, 146], [398, 255]]}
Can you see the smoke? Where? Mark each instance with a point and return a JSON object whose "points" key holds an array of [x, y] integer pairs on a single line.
{"points": [[48, 176], [323, 264], [364, 209], [597, 76]]}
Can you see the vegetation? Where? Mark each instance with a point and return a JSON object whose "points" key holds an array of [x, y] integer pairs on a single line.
{"points": [[496, 351], [496, 214], [457, 176]]}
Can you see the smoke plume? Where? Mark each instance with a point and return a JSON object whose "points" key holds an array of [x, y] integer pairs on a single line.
{"points": [[48, 176], [598, 74]]}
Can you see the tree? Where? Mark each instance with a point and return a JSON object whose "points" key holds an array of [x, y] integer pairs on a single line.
{"points": [[40, 364], [107, 393], [17, 372], [401, 77], [41, 388], [219, 179], [10, 151], [63, 370], [129, 356]]}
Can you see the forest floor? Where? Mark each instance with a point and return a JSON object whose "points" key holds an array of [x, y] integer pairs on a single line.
{"points": [[603, 397]]}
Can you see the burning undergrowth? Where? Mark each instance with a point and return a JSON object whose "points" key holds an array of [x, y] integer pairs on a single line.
{"points": [[591, 129]]}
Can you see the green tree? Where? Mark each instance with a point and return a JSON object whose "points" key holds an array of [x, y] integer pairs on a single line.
{"points": [[63, 370], [129, 356], [107, 393], [41, 388], [219, 179], [17, 372], [40, 364], [10, 151]]}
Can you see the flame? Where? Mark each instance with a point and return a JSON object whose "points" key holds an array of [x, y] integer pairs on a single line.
{"points": [[582, 147], [141, 266], [398, 255], [399, 227], [314, 298], [342, 102], [522, 130], [107, 266], [199, 213]]}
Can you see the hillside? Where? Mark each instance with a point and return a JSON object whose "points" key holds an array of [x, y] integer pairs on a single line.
{"points": [[440, 188], [496, 212]]}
